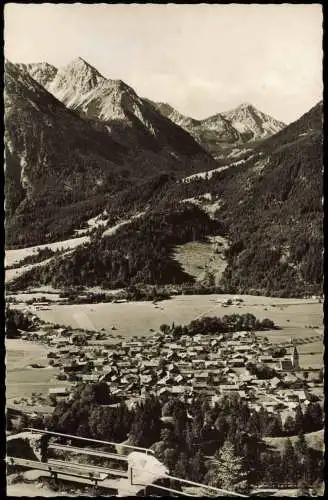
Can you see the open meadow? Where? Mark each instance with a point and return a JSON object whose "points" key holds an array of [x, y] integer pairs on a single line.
{"points": [[22, 380], [142, 318], [202, 258]]}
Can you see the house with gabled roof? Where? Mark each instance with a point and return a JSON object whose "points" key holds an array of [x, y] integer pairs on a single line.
{"points": [[145, 379], [167, 380], [291, 396], [290, 380], [201, 375], [198, 363], [152, 363], [197, 385]]}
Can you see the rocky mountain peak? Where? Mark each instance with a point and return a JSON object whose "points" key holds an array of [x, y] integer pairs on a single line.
{"points": [[78, 75], [252, 123], [245, 105]]}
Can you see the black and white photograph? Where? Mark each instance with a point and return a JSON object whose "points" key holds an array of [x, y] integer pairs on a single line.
{"points": [[163, 256]]}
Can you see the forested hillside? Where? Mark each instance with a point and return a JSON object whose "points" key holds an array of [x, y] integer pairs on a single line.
{"points": [[271, 207], [140, 252]]}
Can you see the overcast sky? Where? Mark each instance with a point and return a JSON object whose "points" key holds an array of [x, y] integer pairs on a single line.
{"points": [[202, 59]]}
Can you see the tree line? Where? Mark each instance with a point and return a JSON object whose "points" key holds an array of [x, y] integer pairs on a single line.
{"points": [[137, 253]]}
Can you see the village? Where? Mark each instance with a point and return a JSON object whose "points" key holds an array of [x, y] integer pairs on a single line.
{"points": [[263, 374]]}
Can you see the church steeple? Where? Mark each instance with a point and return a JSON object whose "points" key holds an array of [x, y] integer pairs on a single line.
{"points": [[296, 359]]}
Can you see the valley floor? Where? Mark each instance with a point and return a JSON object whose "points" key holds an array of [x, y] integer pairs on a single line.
{"points": [[294, 316], [141, 318]]}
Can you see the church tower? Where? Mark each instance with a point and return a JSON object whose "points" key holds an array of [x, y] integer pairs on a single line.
{"points": [[296, 359]]}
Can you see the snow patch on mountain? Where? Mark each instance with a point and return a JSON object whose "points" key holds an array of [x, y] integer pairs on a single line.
{"points": [[206, 202], [209, 173], [236, 152], [23, 176]]}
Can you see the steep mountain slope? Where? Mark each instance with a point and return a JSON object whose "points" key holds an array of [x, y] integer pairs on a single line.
{"points": [[271, 207], [222, 130], [139, 252], [56, 158], [309, 124], [42, 72], [53, 157]]}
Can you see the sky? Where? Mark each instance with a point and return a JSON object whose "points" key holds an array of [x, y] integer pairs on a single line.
{"points": [[202, 59]]}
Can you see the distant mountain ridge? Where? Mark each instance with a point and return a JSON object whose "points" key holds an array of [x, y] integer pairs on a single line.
{"points": [[238, 126], [251, 123], [80, 86], [129, 119]]}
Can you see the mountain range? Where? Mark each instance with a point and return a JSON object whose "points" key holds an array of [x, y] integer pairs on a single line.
{"points": [[77, 143], [80, 86], [236, 127], [58, 156]]}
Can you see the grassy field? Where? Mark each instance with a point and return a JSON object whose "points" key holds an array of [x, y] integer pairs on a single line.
{"points": [[21, 380], [314, 440], [195, 257], [142, 318]]}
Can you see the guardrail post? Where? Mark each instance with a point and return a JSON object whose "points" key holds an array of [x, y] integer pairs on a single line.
{"points": [[172, 486]]}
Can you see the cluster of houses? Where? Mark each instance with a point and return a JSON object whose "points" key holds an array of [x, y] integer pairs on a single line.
{"points": [[211, 365]]}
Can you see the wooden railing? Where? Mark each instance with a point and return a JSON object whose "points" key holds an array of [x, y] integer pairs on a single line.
{"points": [[100, 473], [147, 451]]}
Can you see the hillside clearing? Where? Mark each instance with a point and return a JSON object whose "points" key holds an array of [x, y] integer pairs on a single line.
{"points": [[201, 258], [67, 246]]}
